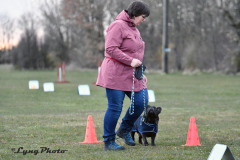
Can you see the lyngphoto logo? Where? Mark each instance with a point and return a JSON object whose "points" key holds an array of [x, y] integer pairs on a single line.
{"points": [[35, 152]]}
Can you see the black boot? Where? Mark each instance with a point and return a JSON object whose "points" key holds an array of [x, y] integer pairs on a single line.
{"points": [[125, 135], [110, 144]]}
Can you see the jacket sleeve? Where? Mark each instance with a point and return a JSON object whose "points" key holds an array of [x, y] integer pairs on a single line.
{"points": [[113, 41]]}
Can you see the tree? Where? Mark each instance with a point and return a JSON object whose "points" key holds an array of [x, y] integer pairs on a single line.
{"points": [[56, 30], [231, 10], [26, 53], [7, 30], [30, 53], [86, 29]]}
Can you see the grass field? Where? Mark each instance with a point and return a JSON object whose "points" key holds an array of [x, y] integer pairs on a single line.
{"points": [[57, 120]]}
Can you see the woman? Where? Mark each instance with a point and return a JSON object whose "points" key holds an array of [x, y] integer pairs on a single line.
{"points": [[124, 50]]}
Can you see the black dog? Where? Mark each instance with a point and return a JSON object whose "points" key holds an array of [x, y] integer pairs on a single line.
{"points": [[148, 127]]}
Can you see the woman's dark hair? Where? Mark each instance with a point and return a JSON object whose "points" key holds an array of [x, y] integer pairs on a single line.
{"points": [[138, 8]]}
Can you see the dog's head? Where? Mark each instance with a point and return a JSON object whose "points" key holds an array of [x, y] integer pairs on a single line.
{"points": [[151, 114]]}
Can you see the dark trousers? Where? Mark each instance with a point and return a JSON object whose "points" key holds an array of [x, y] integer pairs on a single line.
{"points": [[115, 104]]}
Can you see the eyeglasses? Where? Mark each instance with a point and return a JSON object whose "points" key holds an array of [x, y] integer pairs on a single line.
{"points": [[143, 16]]}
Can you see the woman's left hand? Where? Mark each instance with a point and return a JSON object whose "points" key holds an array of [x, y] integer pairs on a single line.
{"points": [[145, 78]]}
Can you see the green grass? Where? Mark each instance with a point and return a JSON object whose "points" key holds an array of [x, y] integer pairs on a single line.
{"points": [[57, 120]]}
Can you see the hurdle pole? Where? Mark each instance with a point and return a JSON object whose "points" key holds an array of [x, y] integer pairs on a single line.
{"points": [[63, 71], [59, 73]]}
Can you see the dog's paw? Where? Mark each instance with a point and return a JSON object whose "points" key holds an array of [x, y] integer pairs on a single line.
{"points": [[153, 144], [146, 144]]}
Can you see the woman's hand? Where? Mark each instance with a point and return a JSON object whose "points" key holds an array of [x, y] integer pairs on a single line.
{"points": [[135, 63], [145, 78]]}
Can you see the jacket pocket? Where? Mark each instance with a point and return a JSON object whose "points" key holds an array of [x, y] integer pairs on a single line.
{"points": [[131, 43], [119, 68]]}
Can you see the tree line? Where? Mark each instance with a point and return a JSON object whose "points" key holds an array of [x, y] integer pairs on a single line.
{"points": [[203, 34]]}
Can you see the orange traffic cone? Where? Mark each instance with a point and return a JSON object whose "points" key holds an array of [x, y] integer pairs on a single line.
{"points": [[90, 136], [192, 139]]}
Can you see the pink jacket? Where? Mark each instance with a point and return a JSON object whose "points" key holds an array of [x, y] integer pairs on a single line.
{"points": [[123, 43]]}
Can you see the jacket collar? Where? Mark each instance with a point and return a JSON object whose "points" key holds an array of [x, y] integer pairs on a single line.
{"points": [[125, 17]]}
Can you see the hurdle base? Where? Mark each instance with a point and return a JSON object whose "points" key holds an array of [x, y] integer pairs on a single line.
{"points": [[61, 82]]}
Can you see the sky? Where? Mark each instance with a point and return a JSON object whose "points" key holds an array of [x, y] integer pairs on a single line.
{"points": [[14, 9]]}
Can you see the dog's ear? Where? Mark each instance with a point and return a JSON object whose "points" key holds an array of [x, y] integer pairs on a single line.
{"points": [[159, 110], [148, 106]]}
